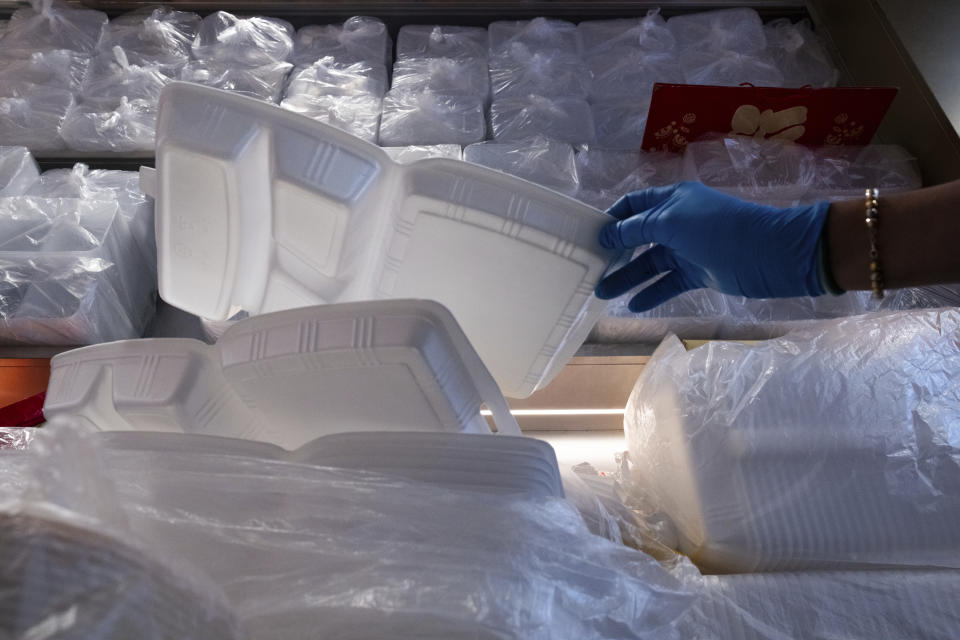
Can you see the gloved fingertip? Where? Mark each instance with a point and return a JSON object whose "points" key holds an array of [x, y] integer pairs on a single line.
{"points": [[610, 237], [604, 290]]}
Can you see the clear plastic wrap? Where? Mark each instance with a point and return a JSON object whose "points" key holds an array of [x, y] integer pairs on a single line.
{"points": [[59, 69], [18, 170], [832, 447], [357, 114], [539, 34], [358, 39], [518, 70], [799, 54], [649, 33], [441, 41], [264, 83], [565, 119], [129, 125], [249, 42], [112, 77], [631, 73], [426, 118], [49, 25], [372, 555], [153, 36], [846, 171], [739, 30], [728, 68], [759, 170], [412, 154], [605, 175], [620, 124], [450, 76], [34, 120], [822, 605], [538, 159], [329, 77]]}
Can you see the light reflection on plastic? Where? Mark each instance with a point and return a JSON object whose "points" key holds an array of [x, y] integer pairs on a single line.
{"points": [[560, 412]]}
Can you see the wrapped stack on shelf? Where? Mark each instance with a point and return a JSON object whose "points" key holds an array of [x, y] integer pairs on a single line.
{"points": [[440, 87], [340, 75], [625, 58], [541, 160], [539, 81], [77, 255], [139, 53], [244, 55], [605, 175], [412, 154]]}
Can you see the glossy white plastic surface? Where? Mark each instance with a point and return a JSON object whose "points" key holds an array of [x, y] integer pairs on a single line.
{"points": [[263, 209], [289, 377]]}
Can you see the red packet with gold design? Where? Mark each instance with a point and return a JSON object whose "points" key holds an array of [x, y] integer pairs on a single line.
{"points": [[681, 113]]}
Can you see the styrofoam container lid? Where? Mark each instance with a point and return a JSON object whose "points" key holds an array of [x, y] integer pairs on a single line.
{"points": [[263, 209], [289, 377]]}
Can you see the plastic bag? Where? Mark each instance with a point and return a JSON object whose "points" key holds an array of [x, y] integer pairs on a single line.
{"points": [[357, 114], [111, 77], [450, 76], [34, 120], [412, 154], [822, 605], [728, 68], [517, 70], [620, 124], [846, 171], [631, 73], [129, 126], [831, 447], [424, 118], [329, 77], [441, 41], [649, 33], [564, 119], [18, 170], [799, 54], [539, 34], [153, 36], [358, 39], [49, 25], [540, 160], [59, 69], [248, 42], [607, 175], [739, 30], [264, 83], [760, 170]]}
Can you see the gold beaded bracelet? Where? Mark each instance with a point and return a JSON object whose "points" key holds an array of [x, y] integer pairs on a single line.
{"points": [[871, 199]]}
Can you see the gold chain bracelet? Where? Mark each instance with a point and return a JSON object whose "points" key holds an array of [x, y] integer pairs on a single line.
{"points": [[871, 199]]}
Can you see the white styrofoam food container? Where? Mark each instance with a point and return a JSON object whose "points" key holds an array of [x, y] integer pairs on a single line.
{"points": [[289, 377], [264, 210]]}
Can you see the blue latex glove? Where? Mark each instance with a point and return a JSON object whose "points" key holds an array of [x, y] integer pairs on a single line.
{"points": [[705, 238]]}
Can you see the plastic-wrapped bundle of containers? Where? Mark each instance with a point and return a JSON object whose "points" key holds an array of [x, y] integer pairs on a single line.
{"points": [[341, 74], [540, 160], [77, 262]]}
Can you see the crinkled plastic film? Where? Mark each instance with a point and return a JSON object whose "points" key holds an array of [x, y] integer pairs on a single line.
{"points": [[620, 124], [358, 39], [249, 42], [518, 70], [631, 73], [728, 68], [441, 41], [58, 69], [264, 83], [130, 126], [540, 160], [357, 114], [329, 77], [34, 120], [426, 118], [412, 154], [51, 24], [799, 54], [831, 447], [159, 36], [606, 175], [111, 76], [739, 30], [539, 34], [844, 172], [449, 76], [18, 171], [649, 33], [565, 119]]}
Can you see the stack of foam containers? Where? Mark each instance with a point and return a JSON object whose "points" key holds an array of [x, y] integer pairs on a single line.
{"points": [[724, 47], [77, 256], [539, 82], [542, 160], [440, 87], [340, 75], [248, 56], [43, 56], [625, 58], [139, 53]]}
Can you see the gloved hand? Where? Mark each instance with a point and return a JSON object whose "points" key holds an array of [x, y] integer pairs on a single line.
{"points": [[705, 238]]}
